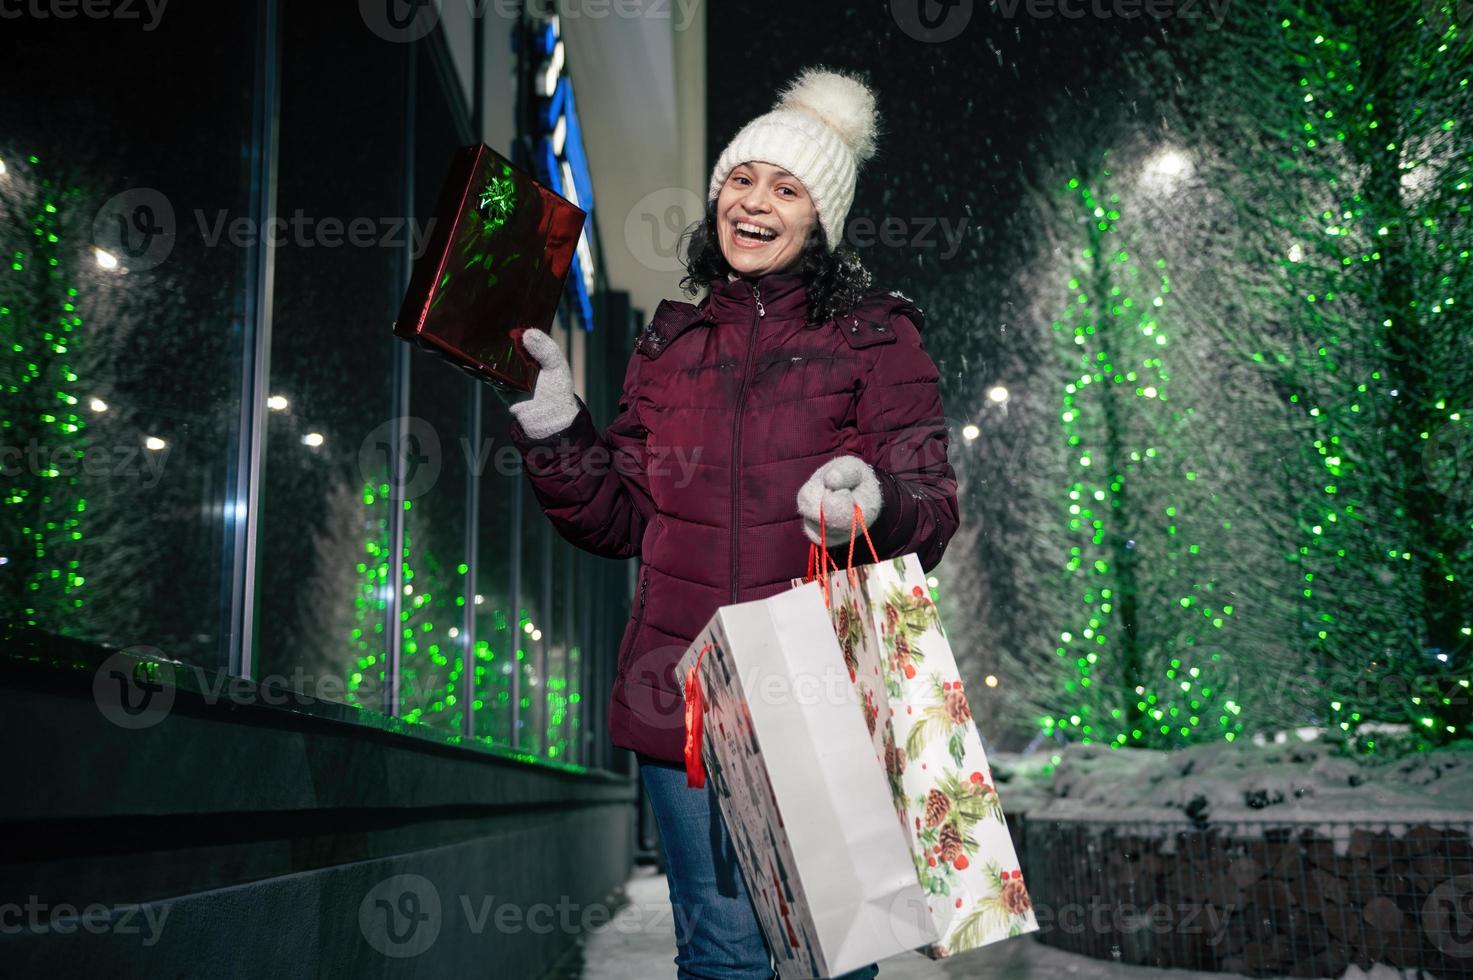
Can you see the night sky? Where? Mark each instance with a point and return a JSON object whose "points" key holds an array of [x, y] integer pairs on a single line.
{"points": [[964, 122]]}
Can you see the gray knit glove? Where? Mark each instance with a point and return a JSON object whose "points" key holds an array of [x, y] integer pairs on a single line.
{"points": [[552, 408], [838, 485]]}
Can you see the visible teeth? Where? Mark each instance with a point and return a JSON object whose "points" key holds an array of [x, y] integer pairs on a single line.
{"points": [[757, 230]]}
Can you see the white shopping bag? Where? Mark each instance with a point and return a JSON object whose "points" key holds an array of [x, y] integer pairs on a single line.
{"points": [[775, 723]]}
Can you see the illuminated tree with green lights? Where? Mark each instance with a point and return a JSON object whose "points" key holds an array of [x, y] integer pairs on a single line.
{"points": [[560, 697], [65, 567], [1148, 619], [341, 621], [43, 430], [493, 679], [371, 595], [344, 599], [344, 605], [430, 656], [1338, 134]]}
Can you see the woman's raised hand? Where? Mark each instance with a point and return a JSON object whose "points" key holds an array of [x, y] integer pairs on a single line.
{"points": [[552, 407], [838, 485]]}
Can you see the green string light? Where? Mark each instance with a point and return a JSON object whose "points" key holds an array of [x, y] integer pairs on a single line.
{"points": [[41, 505], [1115, 687]]}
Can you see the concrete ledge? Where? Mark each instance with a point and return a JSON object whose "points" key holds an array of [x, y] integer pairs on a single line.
{"points": [[231, 836]]}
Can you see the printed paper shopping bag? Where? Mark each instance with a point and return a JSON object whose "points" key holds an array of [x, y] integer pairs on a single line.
{"points": [[772, 721], [922, 732]]}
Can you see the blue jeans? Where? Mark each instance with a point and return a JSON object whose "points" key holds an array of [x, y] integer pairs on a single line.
{"points": [[717, 935]]}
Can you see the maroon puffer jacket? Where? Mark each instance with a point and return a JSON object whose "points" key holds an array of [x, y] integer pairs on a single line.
{"points": [[728, 407]]}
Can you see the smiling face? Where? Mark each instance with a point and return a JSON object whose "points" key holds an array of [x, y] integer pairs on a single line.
{"points": [[763, 218]]}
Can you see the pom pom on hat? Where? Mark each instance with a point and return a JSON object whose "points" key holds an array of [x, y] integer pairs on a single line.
{"points": [[823, 125], [844, 104]]}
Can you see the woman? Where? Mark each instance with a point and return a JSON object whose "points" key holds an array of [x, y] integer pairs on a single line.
{"points": [[790, 387]]}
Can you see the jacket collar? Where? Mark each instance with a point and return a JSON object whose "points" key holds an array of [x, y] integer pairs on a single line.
{"points": [[784, 297], [869, 323]]}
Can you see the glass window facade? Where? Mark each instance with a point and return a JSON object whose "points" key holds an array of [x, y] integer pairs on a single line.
{"points": [[324, 498], [123, 323], [168, 346]]}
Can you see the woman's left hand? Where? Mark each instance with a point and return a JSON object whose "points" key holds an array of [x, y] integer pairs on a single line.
{"points": [[838, 485]]}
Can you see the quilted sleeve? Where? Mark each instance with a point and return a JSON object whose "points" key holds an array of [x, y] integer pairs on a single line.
{"points": [[903, 433], [594, 487]]}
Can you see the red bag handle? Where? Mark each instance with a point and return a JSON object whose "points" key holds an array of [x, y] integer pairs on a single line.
{"points": [[815, 551]]}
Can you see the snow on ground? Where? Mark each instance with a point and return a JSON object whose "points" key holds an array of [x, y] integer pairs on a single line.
{"points": [[1223, 781]]}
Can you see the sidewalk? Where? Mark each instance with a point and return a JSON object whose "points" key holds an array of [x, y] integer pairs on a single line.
{"points": [[639, 944]]}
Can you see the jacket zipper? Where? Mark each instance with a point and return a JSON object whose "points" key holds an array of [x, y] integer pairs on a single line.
{"points": [[736, 441]]}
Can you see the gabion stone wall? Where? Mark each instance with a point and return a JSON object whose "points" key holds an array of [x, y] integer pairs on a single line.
{"points": [[1303, 900]]}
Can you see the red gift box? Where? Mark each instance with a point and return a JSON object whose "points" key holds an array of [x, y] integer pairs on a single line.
{"points": [[499, 252]]}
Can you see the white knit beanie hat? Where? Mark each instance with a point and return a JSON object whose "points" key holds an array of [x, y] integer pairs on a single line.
{"points": [[822, 127]]}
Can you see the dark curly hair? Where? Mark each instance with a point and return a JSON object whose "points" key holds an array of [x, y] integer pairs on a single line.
{"points": [[836, 281]]}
